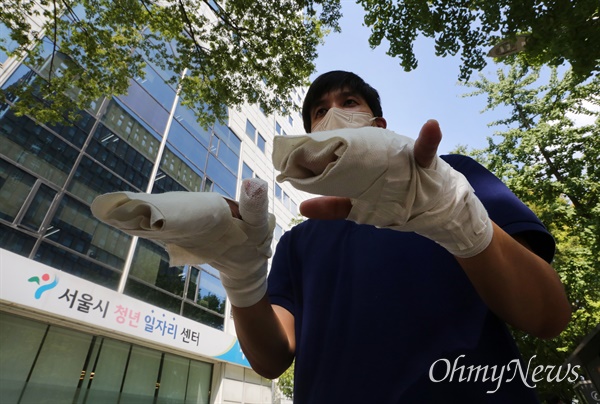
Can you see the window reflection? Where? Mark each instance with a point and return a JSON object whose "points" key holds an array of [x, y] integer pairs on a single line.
{"points": [[186, 117], [74, 264], [91, 180], [74, 227], [52, 364], [38, 208], [15, 241], [120, 157], [250, 130], [15, 186], [145, 106], [153, 296], [157, 88], [221, 175], [35, 148], [247, 172], [261, 143], [122, 123], [205, 289], [178, 167], [151, 265]]}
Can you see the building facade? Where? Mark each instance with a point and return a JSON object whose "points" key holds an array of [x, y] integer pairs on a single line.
{"points": [[89, 314]]}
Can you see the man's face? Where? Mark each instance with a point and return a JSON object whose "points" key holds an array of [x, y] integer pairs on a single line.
{"points": [[343, 99]]}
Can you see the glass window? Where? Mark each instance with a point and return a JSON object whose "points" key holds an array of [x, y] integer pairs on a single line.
{"points": [[151, 57], [199, 314], [222, 176], [192, 289], [278, 192], [55, 368], [16, 241], [208, 185], [291, 120], [278, 128], [189, 146], [157, 87], [146, 107], [142, 375], [226, 135], [15, 186], [173, 382], [199, 378], [293, 207], [187, 118], [286, 200], [108, 368], [247, 172], [37, 210], [22, 74], [151, 265], [278, 232], [67, 366], [7, 42], [73, 225], [74, 264], [261, 143], [91, 180], [211, 293], [283, 133], [250, 130], [121, 122], [35, 148], [181, 176], [78, 131], [120, 157], [227, 156], [19, 340], [151, 295]]}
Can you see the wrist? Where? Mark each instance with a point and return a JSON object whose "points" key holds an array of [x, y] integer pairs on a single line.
{"points": [[247, 290]]}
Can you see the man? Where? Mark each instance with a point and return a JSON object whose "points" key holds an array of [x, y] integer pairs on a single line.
{"points": [[375, 315], [408, 307]]}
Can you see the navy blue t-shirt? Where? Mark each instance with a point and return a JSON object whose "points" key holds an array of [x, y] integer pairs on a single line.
{"points": [[383, 316]]}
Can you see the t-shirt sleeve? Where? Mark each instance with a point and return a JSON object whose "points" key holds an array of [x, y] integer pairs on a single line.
{"points": [[503, 206]]}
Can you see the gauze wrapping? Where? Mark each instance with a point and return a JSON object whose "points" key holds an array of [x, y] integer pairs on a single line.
{"points": [[376, 169], [198, 228]]}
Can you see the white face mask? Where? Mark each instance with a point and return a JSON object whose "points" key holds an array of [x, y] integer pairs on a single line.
{"points": [[337, 118]]}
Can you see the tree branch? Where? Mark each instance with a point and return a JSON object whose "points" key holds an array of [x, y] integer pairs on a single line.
{"points": [[525, 124]]}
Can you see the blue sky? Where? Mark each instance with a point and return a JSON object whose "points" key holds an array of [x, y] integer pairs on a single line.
{"points": [[409, 99]]}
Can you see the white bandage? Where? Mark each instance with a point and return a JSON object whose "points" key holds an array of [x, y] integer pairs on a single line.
{"points": [[198, 228], [376, 168]]}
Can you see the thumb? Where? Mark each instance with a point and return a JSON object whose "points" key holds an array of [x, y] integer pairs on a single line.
{"points": [[427, 143], [254, 201], [326, 208]]}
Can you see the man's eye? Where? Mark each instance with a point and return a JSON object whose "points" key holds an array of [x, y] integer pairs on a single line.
{"points": [[350, 102], [320, 112]]}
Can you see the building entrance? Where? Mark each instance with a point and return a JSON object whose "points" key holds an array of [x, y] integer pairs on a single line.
{"points": [[41, 363]]}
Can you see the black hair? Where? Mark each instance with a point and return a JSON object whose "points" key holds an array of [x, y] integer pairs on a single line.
{"points": [[339, 80]]}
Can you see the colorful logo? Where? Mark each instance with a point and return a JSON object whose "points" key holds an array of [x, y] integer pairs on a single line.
{"points": [[45, 286]]}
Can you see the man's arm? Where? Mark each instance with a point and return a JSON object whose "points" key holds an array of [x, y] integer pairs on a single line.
{"points": [[517, 285], [520, 287], [266, 334]]}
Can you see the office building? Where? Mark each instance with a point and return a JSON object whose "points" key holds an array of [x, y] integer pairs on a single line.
{"points": [[79, 321]]}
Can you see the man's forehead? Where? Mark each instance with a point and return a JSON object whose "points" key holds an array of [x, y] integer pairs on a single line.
{"points": [[332, 94]]}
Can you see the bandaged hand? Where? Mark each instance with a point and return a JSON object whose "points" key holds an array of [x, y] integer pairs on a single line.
{"points": [[198, 228], [377, 170]]}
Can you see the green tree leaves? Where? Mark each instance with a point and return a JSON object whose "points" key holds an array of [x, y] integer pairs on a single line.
{"points": [[550, 160], [557, 31], [243, 51]]}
